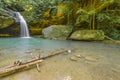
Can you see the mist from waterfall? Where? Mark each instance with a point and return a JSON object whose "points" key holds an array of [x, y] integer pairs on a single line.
{"points": [[24, 32]]}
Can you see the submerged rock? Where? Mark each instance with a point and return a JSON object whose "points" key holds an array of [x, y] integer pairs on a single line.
{"points": [[88, 35], [91, 58], [79, 56], [60, 32], [73, 58]]}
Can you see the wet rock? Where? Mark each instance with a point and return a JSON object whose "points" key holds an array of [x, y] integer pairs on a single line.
{"points": [[79, 56], [69, 51], [91, 58], [73, 58], [88, 35], [59, 32]]}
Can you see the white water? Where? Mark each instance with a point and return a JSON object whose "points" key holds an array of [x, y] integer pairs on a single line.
{"points": [[24, 32]]}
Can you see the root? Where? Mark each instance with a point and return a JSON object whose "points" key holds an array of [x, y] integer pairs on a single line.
{"points": [[38, 68], [109, 38]]}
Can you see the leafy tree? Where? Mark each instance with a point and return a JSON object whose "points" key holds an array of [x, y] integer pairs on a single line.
{"points": [[32, 8], [109, 20]]}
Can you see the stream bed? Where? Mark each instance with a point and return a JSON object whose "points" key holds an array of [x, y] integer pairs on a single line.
{"points": [[92, 60]]}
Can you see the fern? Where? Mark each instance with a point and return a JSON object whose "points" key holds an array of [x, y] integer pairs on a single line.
{"points": [[103, 16], [80, 11]]}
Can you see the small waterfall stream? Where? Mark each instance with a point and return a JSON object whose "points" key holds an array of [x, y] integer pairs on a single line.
{"points": [[24, 32]]}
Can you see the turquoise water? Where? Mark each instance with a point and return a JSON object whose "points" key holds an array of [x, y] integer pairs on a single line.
{"points": [[19, 48], [22, 45], [30, 43], [99, 61]]}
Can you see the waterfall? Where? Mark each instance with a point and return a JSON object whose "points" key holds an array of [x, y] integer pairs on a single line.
{"points": [[24, 32]]}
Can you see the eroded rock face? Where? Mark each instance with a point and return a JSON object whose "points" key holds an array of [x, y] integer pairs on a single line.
{"points": [[60, 32], [5, 22], [12, 30], [88, 35], [8, 27]]}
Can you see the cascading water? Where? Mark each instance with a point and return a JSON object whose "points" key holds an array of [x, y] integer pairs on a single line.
{"points": [[24, 32]]}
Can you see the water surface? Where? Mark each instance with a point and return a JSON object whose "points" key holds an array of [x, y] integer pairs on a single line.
{"points": [[88, 60]]}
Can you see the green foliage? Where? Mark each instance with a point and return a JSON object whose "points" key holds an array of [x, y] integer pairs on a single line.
{"points": [[103, 16], [108, 21], [84, 15], [9, 6], [39, 6], [110, 31], [32, 8], [1, 7]]}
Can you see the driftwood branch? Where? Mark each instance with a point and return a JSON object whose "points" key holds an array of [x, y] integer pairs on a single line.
{"points": [[20, 66], [109, 38], [17, 68], [54, 53]]}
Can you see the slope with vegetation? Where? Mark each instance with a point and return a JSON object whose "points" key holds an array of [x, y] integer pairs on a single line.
{"points": [[81, 14]]}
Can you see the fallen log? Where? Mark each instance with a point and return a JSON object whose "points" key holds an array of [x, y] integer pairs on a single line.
{"points": [[20, 66], [16, 68], [54, 53]]}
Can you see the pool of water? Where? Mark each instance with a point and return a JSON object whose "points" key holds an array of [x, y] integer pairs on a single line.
{"points": [[88, 60], [25, 48]]}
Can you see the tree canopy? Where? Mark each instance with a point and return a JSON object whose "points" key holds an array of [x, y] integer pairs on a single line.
{"points": [[32, 7]]}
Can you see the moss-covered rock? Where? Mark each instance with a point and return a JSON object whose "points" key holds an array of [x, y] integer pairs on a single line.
{"points": [[5, 35], [5, 22], [60, 32], [35, 31], [88, 35]]}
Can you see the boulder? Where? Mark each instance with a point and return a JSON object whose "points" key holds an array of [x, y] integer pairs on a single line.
{"points": [[87, 35], [60, 32], [5, 22]]}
